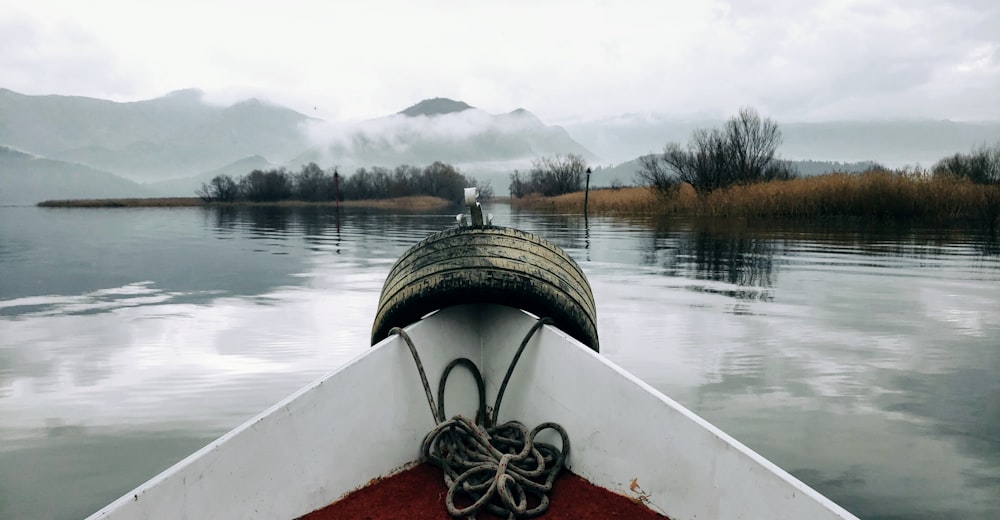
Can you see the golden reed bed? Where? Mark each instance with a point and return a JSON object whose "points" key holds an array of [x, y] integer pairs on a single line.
{"points": [[875, 194]]}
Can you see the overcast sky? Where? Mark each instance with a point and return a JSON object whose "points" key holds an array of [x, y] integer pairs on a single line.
{"points": [[566, 61]]}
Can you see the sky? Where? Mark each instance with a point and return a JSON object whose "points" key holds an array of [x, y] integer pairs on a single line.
{"points": [[566, 61]]}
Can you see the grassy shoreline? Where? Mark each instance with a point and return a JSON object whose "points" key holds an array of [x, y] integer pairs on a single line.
{"points": [[869, 195], [414, 203]]}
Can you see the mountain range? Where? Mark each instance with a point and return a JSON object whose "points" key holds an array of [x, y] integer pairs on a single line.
{"points": [[26, 179], [170, 145], [450, 131], [172, 136], [54, 146]]}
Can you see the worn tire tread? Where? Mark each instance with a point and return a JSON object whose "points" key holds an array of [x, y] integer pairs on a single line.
{"points": [[490, 265]]}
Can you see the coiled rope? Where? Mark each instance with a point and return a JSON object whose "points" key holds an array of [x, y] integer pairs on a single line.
{"points": [[496, 467]]}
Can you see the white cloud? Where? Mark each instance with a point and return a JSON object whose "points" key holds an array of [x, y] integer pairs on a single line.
{"points": [[561, 59], [398, 133]]}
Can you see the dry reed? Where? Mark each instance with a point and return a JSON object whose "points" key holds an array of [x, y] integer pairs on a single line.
{"points": [[878, 194], [623, 201]]}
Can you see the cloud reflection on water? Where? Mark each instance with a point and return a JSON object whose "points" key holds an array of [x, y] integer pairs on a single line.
{"points": [[863, 361]]}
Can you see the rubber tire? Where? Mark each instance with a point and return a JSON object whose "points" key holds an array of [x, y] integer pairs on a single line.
{"points": [[488, 265]]}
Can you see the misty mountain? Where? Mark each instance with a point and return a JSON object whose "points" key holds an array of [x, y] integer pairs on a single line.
{"points": [[436, 107], [173, 136], [27, 179], [173, 143], [891, 143], [442, 129], [186, 186]]}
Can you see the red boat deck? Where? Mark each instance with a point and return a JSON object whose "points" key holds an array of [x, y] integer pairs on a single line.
{"points": [[418, 494]]}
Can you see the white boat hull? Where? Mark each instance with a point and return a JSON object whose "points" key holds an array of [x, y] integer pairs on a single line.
{"points": [[367, 419]]}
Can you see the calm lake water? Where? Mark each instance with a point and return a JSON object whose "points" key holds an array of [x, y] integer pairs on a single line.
{"points": [[863, 359]]}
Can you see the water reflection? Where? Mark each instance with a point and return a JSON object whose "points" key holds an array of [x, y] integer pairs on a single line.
{"points": [[262, 221], [963, 404], [862, 358], [72, 462], [739, 263]]}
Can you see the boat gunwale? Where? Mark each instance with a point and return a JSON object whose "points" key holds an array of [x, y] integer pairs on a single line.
{"points": [[551, 341]]}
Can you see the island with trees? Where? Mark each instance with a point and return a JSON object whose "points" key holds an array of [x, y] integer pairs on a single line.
{"points": [[405, 187]]}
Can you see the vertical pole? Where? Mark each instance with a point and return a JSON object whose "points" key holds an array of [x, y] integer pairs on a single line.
{"points": [[336, 198], [586, 193], [336, 189]]}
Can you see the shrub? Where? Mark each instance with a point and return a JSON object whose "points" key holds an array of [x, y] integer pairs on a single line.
{"points": [[550, 176], [981, 165], [655, 173], [267, 186], [313, 184], [222, 188], [741, 152]]}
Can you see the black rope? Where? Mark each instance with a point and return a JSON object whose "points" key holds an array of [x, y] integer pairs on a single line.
{"points": [[496, 467]]}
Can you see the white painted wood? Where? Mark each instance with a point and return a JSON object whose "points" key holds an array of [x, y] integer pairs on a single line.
{"points": [[367, 420], [622, 429], [362, 421]]}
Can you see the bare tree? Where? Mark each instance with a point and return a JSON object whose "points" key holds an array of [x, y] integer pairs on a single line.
{"points": [[518, 185], [312, 183], [437, 179], [443, 180], [655, 173], [550, 176], [981, 166], [741, 152], [222, 188], [267, 186], [485, 188], [752, 142]]}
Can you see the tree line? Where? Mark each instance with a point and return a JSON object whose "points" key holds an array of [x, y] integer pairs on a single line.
{"points": [[312, 183], [550, 176], [981, 165], [744, 151]]}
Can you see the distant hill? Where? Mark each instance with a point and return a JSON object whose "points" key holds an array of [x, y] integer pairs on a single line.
{"points": [[436, 107], [892, 143], [26, 179], [186, 186], [173, 136], [811, 168], [624, 173], [174, 143], [442, 129]]}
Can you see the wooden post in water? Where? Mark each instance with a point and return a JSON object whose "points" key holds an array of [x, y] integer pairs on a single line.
{"points": [[336, 189], [586, 194]]}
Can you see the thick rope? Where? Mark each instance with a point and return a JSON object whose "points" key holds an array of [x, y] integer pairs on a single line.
{"points": [[496, 467]]}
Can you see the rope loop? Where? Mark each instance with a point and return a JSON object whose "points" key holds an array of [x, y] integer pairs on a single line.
{"points": [[496, 467]]}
